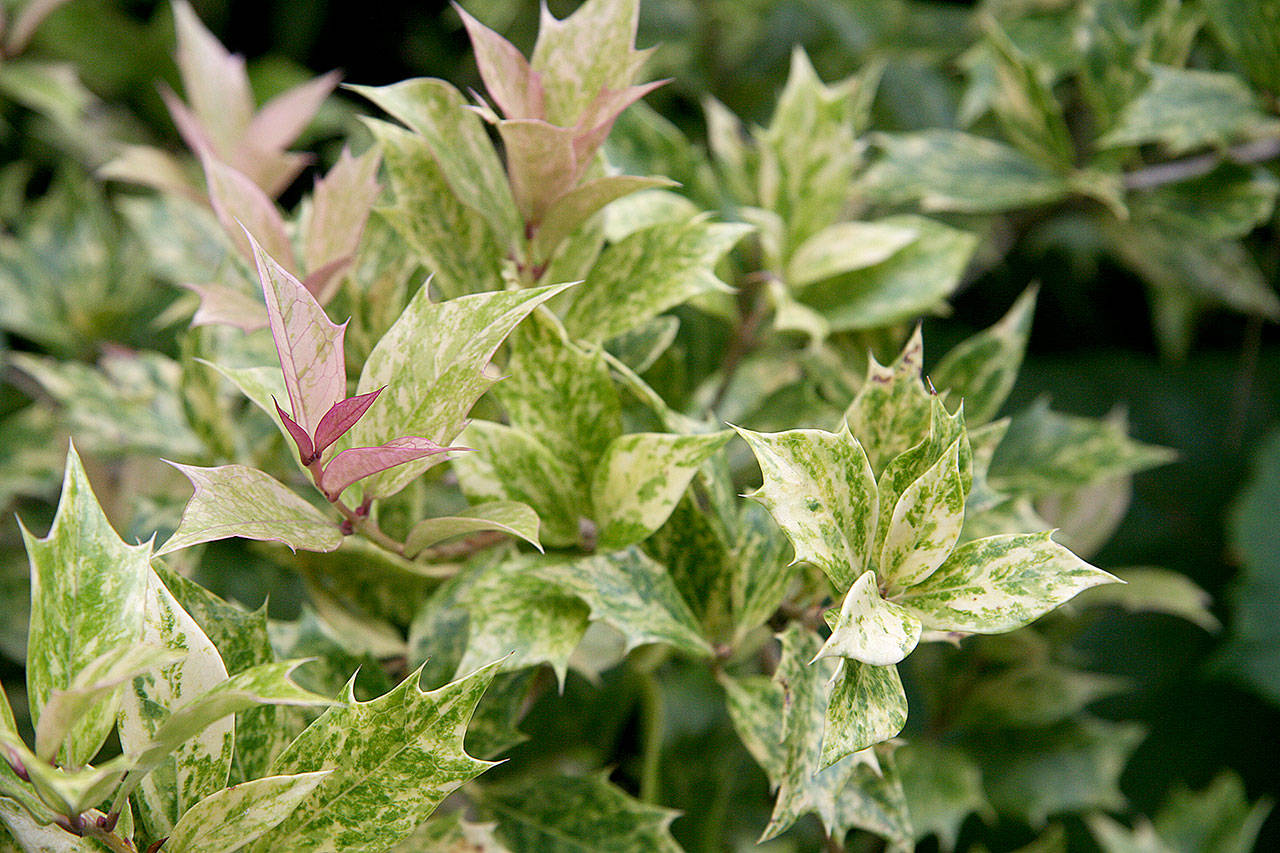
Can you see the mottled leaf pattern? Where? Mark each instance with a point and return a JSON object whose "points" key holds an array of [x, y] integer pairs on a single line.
{"points": [[867, 706], [888, 413], [846, 246], [982, 369], [870, 629], [925, 523], [511, 517], [231, 818]]}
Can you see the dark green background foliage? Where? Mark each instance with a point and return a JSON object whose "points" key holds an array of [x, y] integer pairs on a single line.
{"points": [[1205, 382]]}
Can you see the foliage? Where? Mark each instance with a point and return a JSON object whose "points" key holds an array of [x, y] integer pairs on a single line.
{"points": [[574, 338]]}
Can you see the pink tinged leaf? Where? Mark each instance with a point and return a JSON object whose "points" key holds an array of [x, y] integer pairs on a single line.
{"points": [[189, 127], [151, 167], [284, 117], [323, 283], [514, 86], [359, 462], [306, 450], [237, 199], [340, 208], [222, 305], [342, 417], [308, 342], [274, 171], [541, 163], [594, 124], [215, 81], [26, 23]]}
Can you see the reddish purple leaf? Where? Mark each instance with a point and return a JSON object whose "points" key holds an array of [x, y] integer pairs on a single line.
{"points": [[306, 450], [593, 126], [343, 417], [322, 283], [308, 342], [359, 462]]}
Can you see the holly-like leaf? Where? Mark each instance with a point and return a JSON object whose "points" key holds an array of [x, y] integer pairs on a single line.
{"points": [[308, 343], [951, 171], [844, 247], [870, 629], [1217, 818], [432, 360], [981, 370], [393, 760], [632, 593], [926, 522], [646, 273], [760, 580], [565, 813], [891, 410], [943, 788], [867, 706], [511, 83], [200, 766], [234, 500], [356, 463], [511, 517], [820, 489], [341, 418], [1000, 583], [87, 601], [231, 818], [641, 478], [215, 82]]}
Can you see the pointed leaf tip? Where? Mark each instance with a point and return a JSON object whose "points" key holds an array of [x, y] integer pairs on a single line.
{"points": [[306, 449], [342, 417], [360, 462]]}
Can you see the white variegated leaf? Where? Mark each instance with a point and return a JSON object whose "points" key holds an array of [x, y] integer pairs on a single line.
{"points": [[229, 819], [926, 522], [870, 629], [867, 706]]}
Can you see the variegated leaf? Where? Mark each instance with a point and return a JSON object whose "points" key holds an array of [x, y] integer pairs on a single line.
{"points": [[356, 463], [234, 500], [231, 818], [580, 203], [432, 360], [200, 765], [646, 273], [215, 81], [905, 469], [542, 165], [511, 517], [87, 601], [891, 411], [632, 593], [870, 629], [244, 209], [820, 489], [762, 576], [846, 246], [62, 790], [452, 833], [393, 760], [565, 813], [1000, 583], [511, 83], [926, 522], [943, 786], [867, 706], [37, 837], [340, 207], [13, 788], [755, 705], [640, 479], [981, 370]]}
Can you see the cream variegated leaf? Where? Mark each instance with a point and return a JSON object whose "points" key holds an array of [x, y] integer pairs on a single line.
{"points": [[981, 370], [580, 203], [946, 431], [1000, 583], [641, 478], [870, 629], [891, 410], [36, 837], [511, 517], [230, 818], [926, 522], [843, 247], [820, 489], [867, 706]]}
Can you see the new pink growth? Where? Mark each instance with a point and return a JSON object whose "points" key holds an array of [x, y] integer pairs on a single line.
{"points": [[360, 462]]}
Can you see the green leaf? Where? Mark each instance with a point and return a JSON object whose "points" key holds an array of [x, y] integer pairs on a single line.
{"points": [[846, 246], [1034, 694], [65, 791], [867, 706], [234, 500], [646, 273], [393, 760], [630, 592], [200, 765], [1218, 818], [1226, 204], [87, 601], [911, 282], [1185, 109], [820, 489], [870, 629], [761, 578], [1030, 115], [510, 517], [641, 478], [943, 787], [1149, 590], [981, 370], [892, 408], [951, 171], [231, 818], [1256, 48], [459, 143], [1000, 583], [432, 360], [926, 522], [580, 203], [451, 833]]}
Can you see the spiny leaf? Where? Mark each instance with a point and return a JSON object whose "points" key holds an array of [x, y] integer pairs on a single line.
{"points": [[867, 706], [340, 207], [870, 629], [234, 500], [87, 600], [996, 584], [514, 86], [512, 517], [215, 81], [820, 489], [393, 760], [981, 370], [891, 410], [244, 209], [233, 817]]}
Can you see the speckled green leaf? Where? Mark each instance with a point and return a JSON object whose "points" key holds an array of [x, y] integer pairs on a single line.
{"points": [[846, 246], [820, 489], [926, 522], [913, 281], [892, 408], [87, 601], [11, 787], [35, 837], [1226, 204], [905, 470], [1187, 108], [867, 706], [981, 370], [870, 629], [229, 819], [943, 788], [761, 576], [646, 273], [65, 791], [755, 705], [200, 765], [394, 759], [451, 833], [432, 360], [234, 500], [630, 592], [438, 113], [510, 517], [951, 171], [564, 814], [1045, 452], [996, 584], [576, 206], [452, 240], [640, 479]]}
